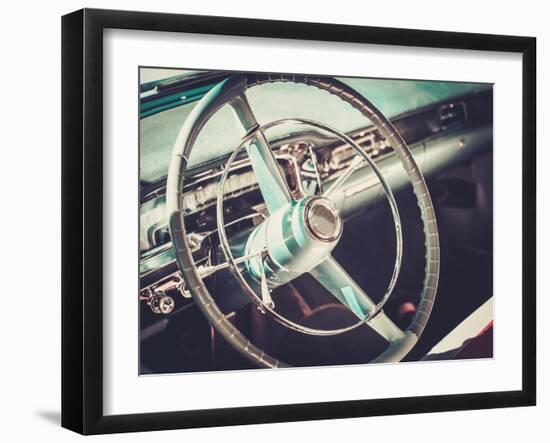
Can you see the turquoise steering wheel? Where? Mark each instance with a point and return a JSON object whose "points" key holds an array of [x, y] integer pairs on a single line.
{"points": [[299, 234]]}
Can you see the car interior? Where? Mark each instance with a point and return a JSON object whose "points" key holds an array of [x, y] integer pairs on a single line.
{"points": [[218, 201]]}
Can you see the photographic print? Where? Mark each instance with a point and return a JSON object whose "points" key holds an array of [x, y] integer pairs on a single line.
{"points": [[291, 220], [312, 213]]}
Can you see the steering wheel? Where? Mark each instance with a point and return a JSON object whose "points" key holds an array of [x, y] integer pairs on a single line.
{"points": [[299, 234]]}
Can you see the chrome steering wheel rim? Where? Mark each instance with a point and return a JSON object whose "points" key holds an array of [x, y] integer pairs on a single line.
{"points": [[231, 91]]}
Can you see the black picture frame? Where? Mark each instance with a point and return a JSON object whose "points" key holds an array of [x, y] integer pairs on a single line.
{"points": [[82, 217]]}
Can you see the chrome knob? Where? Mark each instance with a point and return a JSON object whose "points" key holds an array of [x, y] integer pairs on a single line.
{"points": [[166, 304], [160, 303]]}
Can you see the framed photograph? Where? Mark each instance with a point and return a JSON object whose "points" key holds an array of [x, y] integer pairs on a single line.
{"points": [[271, 221]]}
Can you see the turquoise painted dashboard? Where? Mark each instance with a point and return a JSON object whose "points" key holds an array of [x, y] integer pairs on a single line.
{"points": [[162, 114]]}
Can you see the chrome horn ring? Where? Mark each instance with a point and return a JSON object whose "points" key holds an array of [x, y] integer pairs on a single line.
{"points": [[234, 268]]}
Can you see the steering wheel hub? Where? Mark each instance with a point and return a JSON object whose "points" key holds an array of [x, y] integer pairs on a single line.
{"points": [[294, 239]]}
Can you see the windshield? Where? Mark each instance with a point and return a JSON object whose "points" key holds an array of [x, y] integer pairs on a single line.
{"points": [[158, 131]]}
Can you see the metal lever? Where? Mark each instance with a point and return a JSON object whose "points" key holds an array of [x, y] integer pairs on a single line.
{"points": [[266, 294], [354, 165]]}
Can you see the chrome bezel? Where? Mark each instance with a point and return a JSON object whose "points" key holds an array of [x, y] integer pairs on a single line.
{"points": [[312, 229]]}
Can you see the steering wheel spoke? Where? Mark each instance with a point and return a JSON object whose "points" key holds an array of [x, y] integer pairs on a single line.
{"points": [[355, 164], [271, 181], [342, 286]]}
